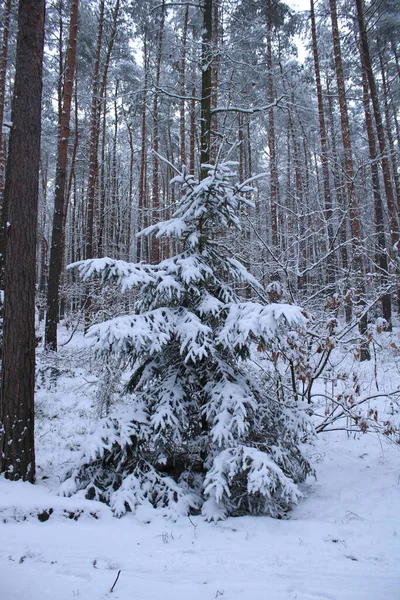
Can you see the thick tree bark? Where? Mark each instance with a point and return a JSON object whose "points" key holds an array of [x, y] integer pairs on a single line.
{"points": [[17, 453], [57, 240]]}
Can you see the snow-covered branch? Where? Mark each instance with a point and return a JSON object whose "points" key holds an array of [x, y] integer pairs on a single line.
{"points": [[248, 111]]}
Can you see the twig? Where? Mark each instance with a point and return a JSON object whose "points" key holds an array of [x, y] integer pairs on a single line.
{"points": [[113, 586], [194, 525], [74, 330]]}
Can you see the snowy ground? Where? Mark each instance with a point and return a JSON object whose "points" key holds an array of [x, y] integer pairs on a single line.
{"points": [[341, 543]]}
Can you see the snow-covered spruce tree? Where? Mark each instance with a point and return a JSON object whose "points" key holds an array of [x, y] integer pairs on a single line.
{"points": [[198, 432]]}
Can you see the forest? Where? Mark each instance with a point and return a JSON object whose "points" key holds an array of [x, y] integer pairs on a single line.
{"points": [[199, 296]]}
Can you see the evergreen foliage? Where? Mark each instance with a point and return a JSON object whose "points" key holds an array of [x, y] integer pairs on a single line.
{"points": [[199, 431]]}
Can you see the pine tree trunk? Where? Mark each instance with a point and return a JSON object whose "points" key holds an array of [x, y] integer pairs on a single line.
{"points": [[182, 88], [42, 267], [94, 140], [206, 87], [95, 213], [142, 207], [101, 216], [324, 151], [155, 245], [192, 144], [366, 60], [338, 191], [132, 212], [71, 176], [396, 56], [346, 140], [382, 259], [17, 451], [355, 225], [58, 238], [214, 79], [241, 148], [389, 135], [273, 166], [115, 205], [249, 165]]}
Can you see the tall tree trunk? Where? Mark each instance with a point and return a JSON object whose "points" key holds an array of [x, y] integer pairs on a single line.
{"points": [[241, 175], [94, 139], [17, 450], [99, 212], [396, 56], [60, 79], [192, 145], [339, 191], [367, 64], [346, 140], [71, 176], [206, 87], [42, 267], [273, 166], [155, 244], [142, 206], [101, 220], [393, 156], [58, 238], [214, 79], [182, 89], [324, 151], [132, 212], [249, 165], [381, 255], [115, 208], [354, 215]]}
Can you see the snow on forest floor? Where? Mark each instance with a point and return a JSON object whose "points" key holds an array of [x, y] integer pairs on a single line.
{"points": [[342, 542]]}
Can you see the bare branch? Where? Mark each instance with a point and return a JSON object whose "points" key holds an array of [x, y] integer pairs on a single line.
{"points": [[177, 96], [247, 111], [172, 4]]}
